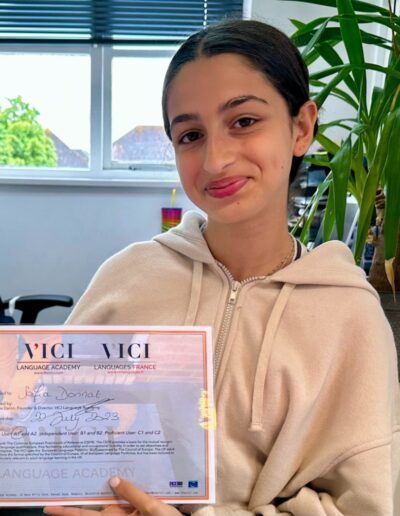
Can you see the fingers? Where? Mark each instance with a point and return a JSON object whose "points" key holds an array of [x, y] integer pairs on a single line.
{"points": [[68, 511], [143, 503], [112, 510], [147, 505]]}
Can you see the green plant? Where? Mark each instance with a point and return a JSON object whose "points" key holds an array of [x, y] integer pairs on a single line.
{"points": [[367, 160], [23, 141]]}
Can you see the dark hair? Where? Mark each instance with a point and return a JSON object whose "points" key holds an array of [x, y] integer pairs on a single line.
{"points": [[266, 48]]}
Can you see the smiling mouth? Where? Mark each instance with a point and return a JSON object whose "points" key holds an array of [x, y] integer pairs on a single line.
{"points": [[226, 187]]}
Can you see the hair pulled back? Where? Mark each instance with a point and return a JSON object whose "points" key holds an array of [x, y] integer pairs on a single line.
{"points": [[266, 49]]}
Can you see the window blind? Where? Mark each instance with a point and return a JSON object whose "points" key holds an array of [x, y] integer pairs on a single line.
{"points": [[109, 21]]}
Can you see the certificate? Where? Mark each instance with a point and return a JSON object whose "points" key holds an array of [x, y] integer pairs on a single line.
{"points": [[80, 404]]}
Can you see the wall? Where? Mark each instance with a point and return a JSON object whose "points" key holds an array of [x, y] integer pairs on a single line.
{"points": [[53, 238]]}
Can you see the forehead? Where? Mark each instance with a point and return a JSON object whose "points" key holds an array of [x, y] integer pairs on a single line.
{"points": [[212, 80]]}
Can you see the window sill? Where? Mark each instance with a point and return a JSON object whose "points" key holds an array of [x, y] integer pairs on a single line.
{"points": [[116, 178]]}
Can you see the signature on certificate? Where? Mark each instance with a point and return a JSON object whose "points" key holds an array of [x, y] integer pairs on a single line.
{"points": [[41, 392]]}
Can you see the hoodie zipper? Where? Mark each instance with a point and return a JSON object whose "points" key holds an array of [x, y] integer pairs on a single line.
{"points": [[235, 287]]}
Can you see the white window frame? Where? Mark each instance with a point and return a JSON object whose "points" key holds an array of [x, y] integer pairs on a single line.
{"points": [[102, 170]]}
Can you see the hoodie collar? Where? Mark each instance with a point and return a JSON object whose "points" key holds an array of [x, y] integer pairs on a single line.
{"points": [[331, 263], [187, 238]]}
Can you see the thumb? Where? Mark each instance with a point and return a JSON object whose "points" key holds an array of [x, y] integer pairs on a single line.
{"points": [[146, 504]]}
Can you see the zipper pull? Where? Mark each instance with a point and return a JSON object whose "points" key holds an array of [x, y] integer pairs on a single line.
{"points": [[234, 292]]}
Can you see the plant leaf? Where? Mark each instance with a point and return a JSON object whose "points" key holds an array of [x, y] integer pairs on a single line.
{"points": [[329, 216], [337, 92], [352, 40], [341, 164], [368, 196], [305, 28], [314, 40], [358, 5], [360, 174], [390, 275], [391, 71], [322, 95], [390, 86], [332, 36], [311, 57], [392, 176], [330, 55], [311, 209], [297, 23], [376, 100], [328, 144], [334, 123], [329, 71]]}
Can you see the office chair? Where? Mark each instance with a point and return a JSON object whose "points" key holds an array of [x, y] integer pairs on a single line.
{"points": [[30, 306]]}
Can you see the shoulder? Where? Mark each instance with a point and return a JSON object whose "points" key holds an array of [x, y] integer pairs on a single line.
{"points": [[139, 257], [126, 285]]}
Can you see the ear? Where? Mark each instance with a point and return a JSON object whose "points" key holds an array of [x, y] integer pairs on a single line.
{"points": [[303, 129]]}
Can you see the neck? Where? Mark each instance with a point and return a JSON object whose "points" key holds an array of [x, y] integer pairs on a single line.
{"points": [[249, 250]]}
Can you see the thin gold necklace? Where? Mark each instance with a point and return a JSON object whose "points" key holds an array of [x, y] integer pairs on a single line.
{"points": [[285, 260]]}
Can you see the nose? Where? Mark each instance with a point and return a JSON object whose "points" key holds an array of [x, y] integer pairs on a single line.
{"points": [[219, 153]]}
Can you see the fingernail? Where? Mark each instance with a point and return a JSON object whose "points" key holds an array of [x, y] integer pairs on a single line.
{"points": [[114, 482]]}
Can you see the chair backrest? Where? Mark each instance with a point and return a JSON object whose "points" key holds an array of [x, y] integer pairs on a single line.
{"points": [[30, 306]]}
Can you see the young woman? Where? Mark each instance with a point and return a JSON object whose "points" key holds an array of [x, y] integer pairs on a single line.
{"points": [[306, 387]]}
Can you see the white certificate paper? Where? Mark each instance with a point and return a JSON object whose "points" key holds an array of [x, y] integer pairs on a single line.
{"points": [[81, 404]]}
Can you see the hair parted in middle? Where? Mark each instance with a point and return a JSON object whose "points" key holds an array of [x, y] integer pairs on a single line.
{"points": [[265, 48]]}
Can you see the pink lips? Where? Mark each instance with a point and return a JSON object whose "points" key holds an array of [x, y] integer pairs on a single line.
{"points": [[226, 187]]}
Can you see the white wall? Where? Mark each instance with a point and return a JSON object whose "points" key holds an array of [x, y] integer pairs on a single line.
{"points": [[279, 13], [53, 238]]}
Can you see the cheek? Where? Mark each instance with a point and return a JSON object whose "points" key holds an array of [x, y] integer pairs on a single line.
{"points": [[273, 158], [272, 153], [278, 147], [187, 167]]}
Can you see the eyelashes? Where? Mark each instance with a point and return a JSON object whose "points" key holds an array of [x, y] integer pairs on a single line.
{"points": [[189, 137], [243, 122]]}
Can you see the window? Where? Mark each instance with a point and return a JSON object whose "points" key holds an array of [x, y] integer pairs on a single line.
{"points": [[45, 109], [137, 133], [80, 95]]}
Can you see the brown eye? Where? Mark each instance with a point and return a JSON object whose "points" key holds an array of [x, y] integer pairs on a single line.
{"points": [[245, 121], [190, 137]]}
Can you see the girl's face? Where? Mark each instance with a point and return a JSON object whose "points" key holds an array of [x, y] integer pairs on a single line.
{"points": [[234, 139]]}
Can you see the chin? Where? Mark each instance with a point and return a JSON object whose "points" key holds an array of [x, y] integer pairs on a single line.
{"points": [[233, 215]]}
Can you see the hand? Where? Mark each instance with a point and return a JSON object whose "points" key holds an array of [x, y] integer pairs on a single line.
{"points": [[142, 504]]}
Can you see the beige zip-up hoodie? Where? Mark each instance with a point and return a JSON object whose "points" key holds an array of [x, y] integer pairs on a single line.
{"points": [[307, 397]]}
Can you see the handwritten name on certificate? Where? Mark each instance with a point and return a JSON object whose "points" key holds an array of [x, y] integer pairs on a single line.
{"points": [[81, 404]]}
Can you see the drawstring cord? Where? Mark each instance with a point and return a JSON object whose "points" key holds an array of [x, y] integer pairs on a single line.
{"points": [[195, 291], [264, 355]]}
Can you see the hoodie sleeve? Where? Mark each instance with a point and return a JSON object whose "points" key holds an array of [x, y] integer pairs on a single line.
{"points": [[361, 485]]}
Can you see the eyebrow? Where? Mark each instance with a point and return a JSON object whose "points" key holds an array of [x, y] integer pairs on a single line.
{"points": [[231, 103]]}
